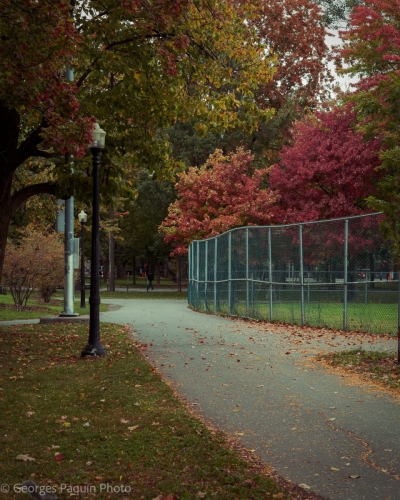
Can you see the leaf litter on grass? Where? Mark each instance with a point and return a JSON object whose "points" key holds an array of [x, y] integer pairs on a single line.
{"points": [[177, 455], [377, 367]]}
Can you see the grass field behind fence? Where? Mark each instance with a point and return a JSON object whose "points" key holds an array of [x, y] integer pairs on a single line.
{"points": [[372, 318], [373, 311]]}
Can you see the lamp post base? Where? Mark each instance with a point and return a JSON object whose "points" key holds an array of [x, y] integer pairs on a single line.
{"points": [[94, 350], [69, 315]]}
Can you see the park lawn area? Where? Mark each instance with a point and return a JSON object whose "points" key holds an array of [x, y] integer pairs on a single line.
{"points": [[107, 423], [36, 308], [151, 295], [377, 366], [142, 282], [372, 318]]}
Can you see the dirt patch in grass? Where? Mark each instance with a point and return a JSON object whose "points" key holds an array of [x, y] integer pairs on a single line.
{"points": [[52, 302], [14, 307], [110, 428]]}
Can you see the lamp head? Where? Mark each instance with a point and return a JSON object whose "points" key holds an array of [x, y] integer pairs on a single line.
{"points": [[99, 137], [82, 216]]}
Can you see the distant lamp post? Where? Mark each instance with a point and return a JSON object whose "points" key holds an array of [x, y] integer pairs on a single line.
{"points": [[82, 216], [94, 347]]}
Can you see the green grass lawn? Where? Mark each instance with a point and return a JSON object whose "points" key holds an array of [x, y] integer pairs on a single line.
{"points": [[36, 308], [372, 318], [140, 282], [106, 423]]}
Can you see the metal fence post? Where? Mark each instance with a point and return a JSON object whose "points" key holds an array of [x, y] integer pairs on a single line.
{"points": [[398, 318], [247, 274], [206, 276], [215, 274], [189, 272], [271, 315], [301, 274], [229, 272], [345, 277], [198, 273]]}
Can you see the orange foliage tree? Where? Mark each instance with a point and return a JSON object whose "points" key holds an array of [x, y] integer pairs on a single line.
{"points": [[36, 262]]}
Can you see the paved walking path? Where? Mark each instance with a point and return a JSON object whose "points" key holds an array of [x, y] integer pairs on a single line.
{"points": [[19, 322], [260, 384]]}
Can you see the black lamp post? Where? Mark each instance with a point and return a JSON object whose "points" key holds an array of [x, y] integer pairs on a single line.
{"points": [[82, 216], [94, 347]]}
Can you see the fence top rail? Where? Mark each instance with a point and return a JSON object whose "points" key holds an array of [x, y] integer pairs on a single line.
{"points": [[277, 226]]}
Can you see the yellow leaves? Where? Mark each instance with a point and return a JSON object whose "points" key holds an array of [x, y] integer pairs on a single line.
{"points": [[201, 129]]}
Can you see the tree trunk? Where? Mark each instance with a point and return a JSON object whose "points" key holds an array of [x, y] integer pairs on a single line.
{"points": [[12, 155], [112, 254], [120, 270], [134, 270], [372, 270], [179, 273], [158, 274], [352, 287], [5, 220]]}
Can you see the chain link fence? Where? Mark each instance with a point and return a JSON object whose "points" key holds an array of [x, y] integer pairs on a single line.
{"points": [[337, 274]]}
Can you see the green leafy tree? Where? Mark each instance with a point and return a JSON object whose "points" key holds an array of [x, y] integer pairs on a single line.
{"points": [[295, 32], [139, 229], [337, 12], [139, 65]]}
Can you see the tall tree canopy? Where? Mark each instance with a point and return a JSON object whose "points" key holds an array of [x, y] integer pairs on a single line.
{"points": [[138, 64], [295, 32], [226, 192], [139, 228], [337, 12], [372, 52], [327, 172]]}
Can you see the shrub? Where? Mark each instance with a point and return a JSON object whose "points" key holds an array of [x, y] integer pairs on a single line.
{"points": [[37, 261]]}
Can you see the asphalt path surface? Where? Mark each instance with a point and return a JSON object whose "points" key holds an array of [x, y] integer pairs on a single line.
{"points": [[319, 429]]}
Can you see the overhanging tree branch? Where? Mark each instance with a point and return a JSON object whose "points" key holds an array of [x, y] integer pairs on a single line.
{"points": [[24, 194]]}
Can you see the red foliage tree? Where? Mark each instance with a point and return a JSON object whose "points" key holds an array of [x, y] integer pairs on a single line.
{"points": [[327, 172], [225, 193], [371, 51], [295, 32]]}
